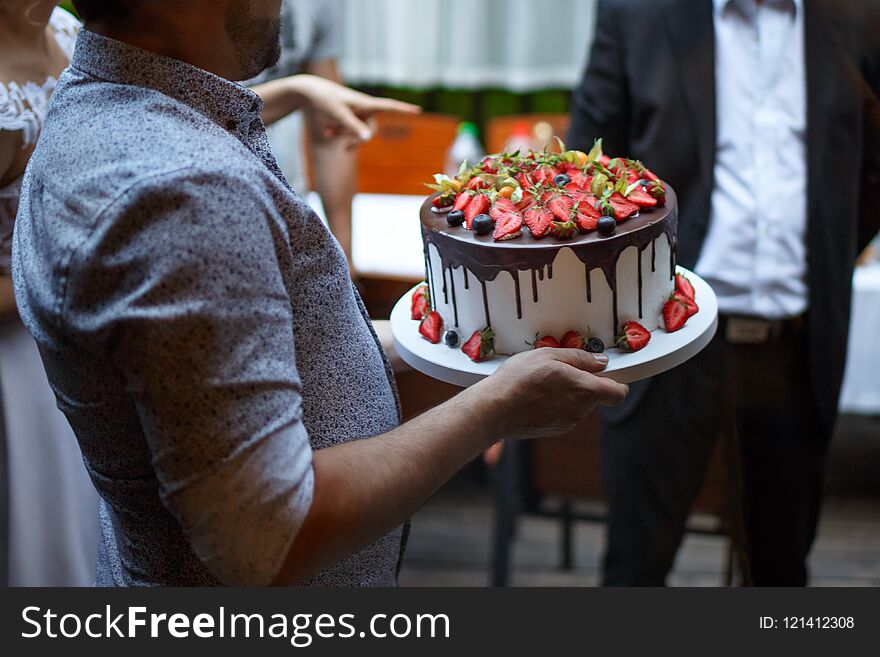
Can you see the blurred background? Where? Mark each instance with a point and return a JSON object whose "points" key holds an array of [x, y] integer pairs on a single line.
{"points": [[499, 74]]}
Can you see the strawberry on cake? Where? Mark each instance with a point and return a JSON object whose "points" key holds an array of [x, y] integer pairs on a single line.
{"points": [[550, 249]]}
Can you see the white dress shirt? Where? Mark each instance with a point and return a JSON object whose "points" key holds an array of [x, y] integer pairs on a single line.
{"points": [[754, 254]]}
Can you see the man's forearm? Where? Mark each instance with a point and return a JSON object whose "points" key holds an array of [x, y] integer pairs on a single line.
{"points": [[366, 488]]}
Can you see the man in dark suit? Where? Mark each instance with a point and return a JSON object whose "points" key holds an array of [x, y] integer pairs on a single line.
{"points": [[763, 116]]}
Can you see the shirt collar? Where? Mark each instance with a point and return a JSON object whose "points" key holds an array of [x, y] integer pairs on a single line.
{"points": [[721, 5], [230, 105]]}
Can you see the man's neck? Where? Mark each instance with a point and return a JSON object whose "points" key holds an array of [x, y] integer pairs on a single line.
{"points": [[178, 41]]}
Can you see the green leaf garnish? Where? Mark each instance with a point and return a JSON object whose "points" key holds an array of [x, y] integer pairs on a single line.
{"points": [[597, 186]]}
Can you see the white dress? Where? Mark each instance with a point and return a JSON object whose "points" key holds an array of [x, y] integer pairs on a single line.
{"points": [[53, 527]]}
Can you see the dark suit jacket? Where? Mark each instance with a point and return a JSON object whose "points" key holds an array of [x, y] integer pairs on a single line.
{"points": [[649, 91]]}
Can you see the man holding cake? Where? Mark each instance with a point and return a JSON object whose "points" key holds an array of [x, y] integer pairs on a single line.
{"points": [[202, 334], [763, 115]]}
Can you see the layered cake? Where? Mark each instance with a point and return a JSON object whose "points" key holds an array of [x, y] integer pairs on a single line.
{"points": [[550, 248]]}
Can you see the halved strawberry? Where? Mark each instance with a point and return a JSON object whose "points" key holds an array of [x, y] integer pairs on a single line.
{"points": [[581, 196], [528, 201], [538, 220], [633, 336], [479, 204], [560, 206], [587, 216], [641, 198], [544, 175], [684, 286], [525, 181], [545, 341], [508, 225], [689, 304], [675, 314], [476, 183], [650, 175], [622, 208], [489, 165], [480, 345], [461, 201], [504, 205], [431, 327], [573, 340], [444, 200], [421, 302], [579, 179]]}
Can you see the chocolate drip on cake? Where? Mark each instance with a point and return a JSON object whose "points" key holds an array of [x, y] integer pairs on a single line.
{"points": [[445, 293], [653, 256], [454, 301], [639, 258], [534, 286], [430, 271], [515, 275], [589, 283], [550, 272], [486, 303], [466, 284]]}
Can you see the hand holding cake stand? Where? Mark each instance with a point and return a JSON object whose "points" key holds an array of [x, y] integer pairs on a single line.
{"points": [[663, 352]]}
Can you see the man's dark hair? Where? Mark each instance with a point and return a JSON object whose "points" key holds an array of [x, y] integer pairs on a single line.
{"points": [[105, 10]]}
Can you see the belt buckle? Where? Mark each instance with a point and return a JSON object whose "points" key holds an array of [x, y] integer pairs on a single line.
{"points": [[748, 330]]}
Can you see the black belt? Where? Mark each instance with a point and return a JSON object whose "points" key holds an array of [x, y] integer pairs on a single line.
{"points": [[738, 329]]}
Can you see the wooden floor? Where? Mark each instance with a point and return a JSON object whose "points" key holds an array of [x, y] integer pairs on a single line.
{"points": [[451, 535]]}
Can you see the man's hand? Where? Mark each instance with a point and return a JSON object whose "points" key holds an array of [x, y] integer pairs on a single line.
{"points": [[547, 392]]}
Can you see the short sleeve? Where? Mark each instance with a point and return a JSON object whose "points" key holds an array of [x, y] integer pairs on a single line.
{"points": [[181, 285]]}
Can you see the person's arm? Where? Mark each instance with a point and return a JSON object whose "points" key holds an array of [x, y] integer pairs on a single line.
{"points": [[338, 110], [365, 488], [600, 105], [334, 167]]}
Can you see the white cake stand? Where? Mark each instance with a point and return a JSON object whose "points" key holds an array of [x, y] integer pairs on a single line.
{"points": [[663, 352]]}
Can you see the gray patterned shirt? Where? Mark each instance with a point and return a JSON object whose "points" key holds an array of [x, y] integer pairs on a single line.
{"points": [[196, 321]]}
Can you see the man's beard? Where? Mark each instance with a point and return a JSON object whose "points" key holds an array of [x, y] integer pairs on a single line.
{"points": [[257, 41]]}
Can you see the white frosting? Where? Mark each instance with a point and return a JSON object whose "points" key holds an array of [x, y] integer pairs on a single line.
{"points": [[562, 300]]}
